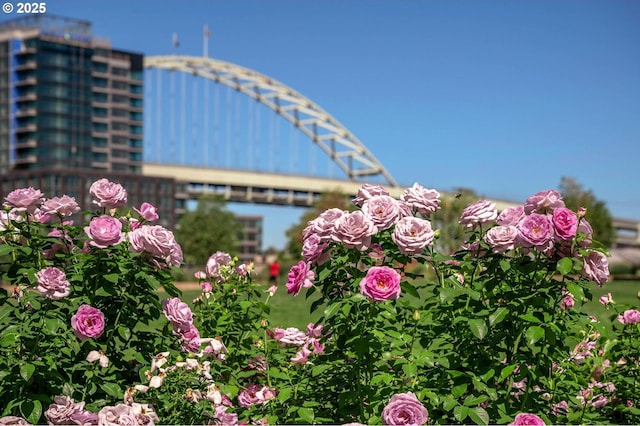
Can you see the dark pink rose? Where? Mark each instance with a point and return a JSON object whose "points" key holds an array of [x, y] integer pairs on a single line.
{"points": [[367, 191], [412, 235], [536, 230], [354, 230], [87, 322], [424, 201], [595, 267], [502, 238], [148, 212], [525, 419], [300, 275], [478, 213], [381, 283], [510, 216], [108, 194], [383, 210], [565, 223], [630, 316], [191, 340], [404, 409], [543, 202], [24, 199], [64, 206], [178, 313], [52, 283]]}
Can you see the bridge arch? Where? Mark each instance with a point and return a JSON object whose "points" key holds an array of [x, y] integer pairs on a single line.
{"points": [[344, 149]]}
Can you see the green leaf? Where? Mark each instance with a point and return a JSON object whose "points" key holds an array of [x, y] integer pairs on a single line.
{"points": [[449, 403], [113, 278], [111, 389], [530, 318], [26, 371], [533, 334], [5, 249], [506, 372], [319, 369], [448, 294], [479, 415], [331, 310], [409, 289], [410, 369], [505, 265], [576, 291], [460, 412], [31, 411], [9, 339], [124, 332], [306, 414], [478, 328], [564, 265], [497, 316], [459, 390], [284, 393]]}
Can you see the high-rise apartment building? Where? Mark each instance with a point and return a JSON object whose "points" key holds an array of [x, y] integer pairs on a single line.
{"points": [[71, 110]]}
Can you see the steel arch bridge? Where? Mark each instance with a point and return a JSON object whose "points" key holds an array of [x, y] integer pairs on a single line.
{"points": [[335, 140]]}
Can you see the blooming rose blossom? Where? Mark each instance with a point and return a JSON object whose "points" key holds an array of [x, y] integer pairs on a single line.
{"points": [[108, 194], [148, 211], [255, 394], [412, 235], [288, 336], [383, 211], [302, 356], [178, 313], [60, 411], [190, 339], [206, 287], [300, 275], [510, 216], [272, 290], [381, 283], [595, 267], [313, 250], [99, 356], [606, 299], [536, 230], [157, 241], [567, 302], [64, 206], [565, 223], [524, 419], [425, 201], [215, 262], [13, 421], [87, 322], [354, 230], [24, 199], [478, 213], [543, 202], [121, 414], [561, 408], [52, 283], [502, 238], [367, 191], [630, 316], [323, 225], [104, 231], [404, 409]]}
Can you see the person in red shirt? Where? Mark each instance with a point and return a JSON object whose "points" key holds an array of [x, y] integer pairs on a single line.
{"points": [[274, 272]]}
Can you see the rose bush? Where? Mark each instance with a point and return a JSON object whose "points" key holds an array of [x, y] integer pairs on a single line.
{"points": [[491, 333]]}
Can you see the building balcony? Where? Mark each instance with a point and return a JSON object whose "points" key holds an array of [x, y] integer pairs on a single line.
{"points": [[27, 159], [29, 143], [29, 81], [26, 128]]}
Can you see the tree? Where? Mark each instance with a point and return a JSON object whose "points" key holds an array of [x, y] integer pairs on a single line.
{"points": [[328, 200], [598, 215], [207, 229]]}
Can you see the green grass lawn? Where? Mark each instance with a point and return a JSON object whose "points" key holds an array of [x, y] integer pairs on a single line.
{"points": [[289, 311]]}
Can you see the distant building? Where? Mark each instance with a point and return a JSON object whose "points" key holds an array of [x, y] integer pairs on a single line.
{"points": [[250, 241], [71, 111]]}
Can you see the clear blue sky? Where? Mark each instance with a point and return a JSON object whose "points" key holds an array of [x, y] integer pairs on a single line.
{"points": [[503, 97]]}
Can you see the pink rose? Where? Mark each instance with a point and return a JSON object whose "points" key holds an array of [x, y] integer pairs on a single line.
{"points": [[595, 267], [178, 313], [425, 201], [565, 223], [215, 262], [190, 339], [255, 394], [64, 206], [383, 211], [381, 283], [630, 316], [585, 231], [354, 230], [87, 322], [24, 199], [121, 414], [52, 283], [324, 224], [412, 235], [502, 238], [367, 191], [108, 194], [478, 213], [313, 250], [300, 275], [61, 411], [104, 231], [206, 287], [567, 302], [524, 419], [543, 202], [288, 336], [536, 230], [148, 212], [14, 421], [606, 299], [510, 216], [158, 241], [404, 409]]}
